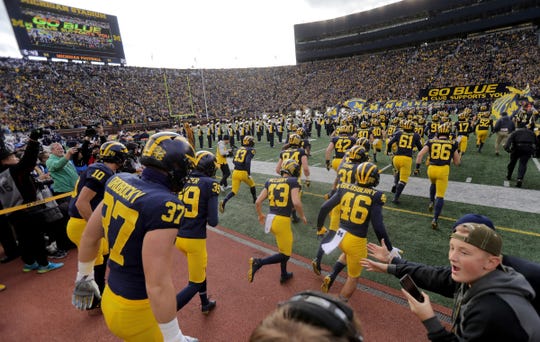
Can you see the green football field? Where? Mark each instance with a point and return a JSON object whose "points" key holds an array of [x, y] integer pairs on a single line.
{"points": [[409, 224]]}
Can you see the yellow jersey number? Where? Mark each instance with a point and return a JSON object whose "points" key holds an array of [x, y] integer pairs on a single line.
{"points": [[190, 198], [354, 207], [405, 141], [278, 195], [440, 151], [240, 155], [291, 155], [342, 145]]}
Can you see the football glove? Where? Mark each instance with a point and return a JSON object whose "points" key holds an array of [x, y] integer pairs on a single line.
{"points": [[308, 182], [395, 253], [85, 292], [416, 172], [328, 165]]}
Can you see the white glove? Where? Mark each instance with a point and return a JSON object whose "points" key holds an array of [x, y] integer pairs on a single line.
{"points": [[395, 253], [85, 292]]}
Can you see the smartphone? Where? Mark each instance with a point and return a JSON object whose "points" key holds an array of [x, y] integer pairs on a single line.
{"points": [[408, 284]]}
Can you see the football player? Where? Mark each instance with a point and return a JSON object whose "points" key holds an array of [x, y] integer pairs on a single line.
{"points": [[462, 129], [406, 140], [200, 198], [297, 153], [242, 171], [441, 152], [484, 125], [359, 204], [376, 137], [89, 191], [283, 193], [339, 144], [345, 174], [140, 218]]}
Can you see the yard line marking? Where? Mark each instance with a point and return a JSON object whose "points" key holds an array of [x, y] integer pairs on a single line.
{"points": [[318, 151]]}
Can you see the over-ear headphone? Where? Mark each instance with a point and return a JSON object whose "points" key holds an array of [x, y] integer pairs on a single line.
{"points": [[319, 309]]}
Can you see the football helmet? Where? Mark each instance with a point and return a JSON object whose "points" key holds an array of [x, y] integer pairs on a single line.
{"points": [[367, 174], [295, 140], [462, 116], [421, 120], [444, 129], [363, 142], [301, 132], [171, 153], [248, 141], [358, 154], [113, 152], [290, 167], [407, 125], [435, 118], [206, 163], [363, 124]]}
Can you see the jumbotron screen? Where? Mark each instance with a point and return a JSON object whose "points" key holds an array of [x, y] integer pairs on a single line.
{"points": [[57, 31]]}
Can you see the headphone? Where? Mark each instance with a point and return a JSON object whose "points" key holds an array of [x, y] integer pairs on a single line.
{"points": [[318, 309]]}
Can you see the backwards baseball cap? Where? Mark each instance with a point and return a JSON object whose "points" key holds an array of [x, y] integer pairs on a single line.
{"points": [[473, 218], [482, 237]]}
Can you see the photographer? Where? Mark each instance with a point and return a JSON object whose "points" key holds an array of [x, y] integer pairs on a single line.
{"points": [[18, 188]]}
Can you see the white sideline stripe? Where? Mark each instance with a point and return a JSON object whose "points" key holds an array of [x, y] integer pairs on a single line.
{"points": [[316, 164], [385, 168], [318, 151], [537, 163], [468, 180]]}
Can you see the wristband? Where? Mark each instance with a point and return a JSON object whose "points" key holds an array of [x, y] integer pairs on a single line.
{"points": [[85, 268], [171, 331]]}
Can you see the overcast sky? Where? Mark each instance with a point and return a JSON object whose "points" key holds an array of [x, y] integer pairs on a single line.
{"points": [[206, 33]]}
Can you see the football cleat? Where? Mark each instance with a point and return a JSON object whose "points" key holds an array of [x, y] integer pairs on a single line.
{"points": [[434, 224], [254, 265], [430, 207], [222, 206], [396, 201], [316, 266], [205, 309], [393, 190], [519, 183], [327, 284], [285, 277]]}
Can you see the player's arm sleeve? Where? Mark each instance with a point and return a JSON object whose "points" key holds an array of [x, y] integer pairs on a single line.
{"points": [[213, 211], [378, 225]]}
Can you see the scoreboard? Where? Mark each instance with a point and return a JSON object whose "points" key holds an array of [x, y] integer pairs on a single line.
{"points": [[57, 31]]}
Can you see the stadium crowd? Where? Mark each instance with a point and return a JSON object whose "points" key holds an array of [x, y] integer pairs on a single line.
{"points": [[67, 95]]}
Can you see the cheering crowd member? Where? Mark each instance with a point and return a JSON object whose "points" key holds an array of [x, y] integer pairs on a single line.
{"points": [[140, 218], [18, 187], [200, 198], [492, 302], [242, 171], [441, 152], [283, 193]]}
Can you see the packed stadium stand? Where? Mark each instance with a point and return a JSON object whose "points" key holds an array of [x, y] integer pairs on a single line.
{"points": [[69, 95]]}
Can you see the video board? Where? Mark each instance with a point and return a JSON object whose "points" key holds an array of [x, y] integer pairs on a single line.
{"points": [[57, 31]]}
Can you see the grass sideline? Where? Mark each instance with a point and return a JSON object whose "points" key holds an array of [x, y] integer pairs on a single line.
{"points": [[409, 224]]}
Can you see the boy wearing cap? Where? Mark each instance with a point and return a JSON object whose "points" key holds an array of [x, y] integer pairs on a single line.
{"points": [[491, 302]]}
